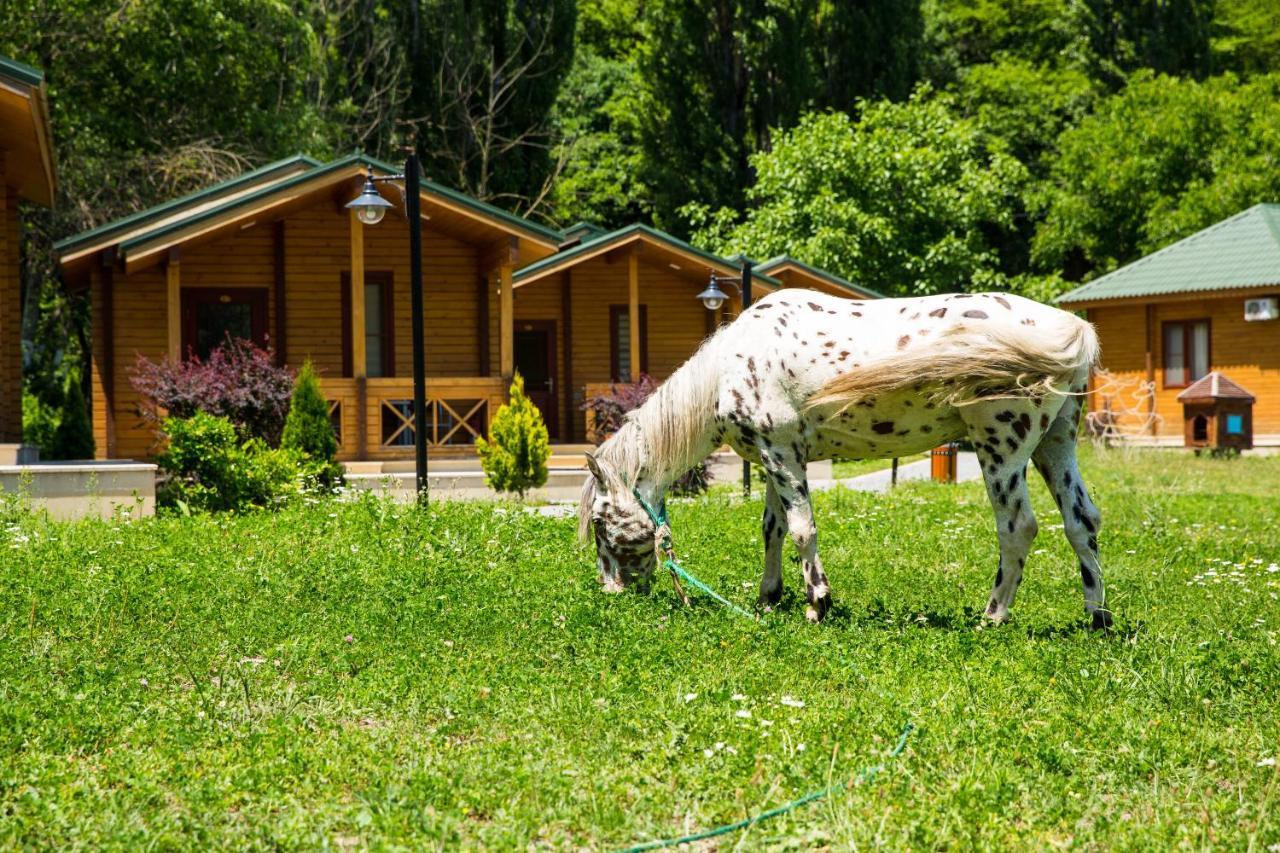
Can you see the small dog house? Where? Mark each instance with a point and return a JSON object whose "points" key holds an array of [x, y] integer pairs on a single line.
{"points": [[1217, 413]]}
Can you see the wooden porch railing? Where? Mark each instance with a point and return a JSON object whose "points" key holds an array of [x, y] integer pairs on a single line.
{"points": [[373, 418]]}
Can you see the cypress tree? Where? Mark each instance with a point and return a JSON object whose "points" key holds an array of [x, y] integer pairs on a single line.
{"points": [[514, 458], [308, 429], [73, 439]]}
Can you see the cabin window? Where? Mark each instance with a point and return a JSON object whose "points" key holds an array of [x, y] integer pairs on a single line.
{"points": [[1186, 352], [379, 325], [211, 316], [620, 342]]}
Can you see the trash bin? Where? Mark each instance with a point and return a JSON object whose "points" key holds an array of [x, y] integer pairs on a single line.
{"points": [[943, 461]]}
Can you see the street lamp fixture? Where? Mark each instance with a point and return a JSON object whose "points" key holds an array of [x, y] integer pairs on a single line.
{"points": [[713, 297], [370, 207]]}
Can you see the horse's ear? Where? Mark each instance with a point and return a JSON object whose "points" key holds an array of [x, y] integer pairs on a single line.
{"points": [[602, 482]]}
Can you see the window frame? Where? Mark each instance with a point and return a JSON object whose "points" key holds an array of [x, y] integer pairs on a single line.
{"points": [[615, 345], [1188, 335], [385, 279]]}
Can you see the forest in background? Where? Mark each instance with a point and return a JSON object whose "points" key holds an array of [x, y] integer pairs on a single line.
{"points": [[912, 146]]}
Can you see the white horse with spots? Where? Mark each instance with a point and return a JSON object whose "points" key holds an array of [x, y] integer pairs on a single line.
{"points": [[803, 376]]}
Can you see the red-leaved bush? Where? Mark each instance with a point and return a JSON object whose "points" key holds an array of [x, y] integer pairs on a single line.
{"points": [[237, 382], [608, 410]]}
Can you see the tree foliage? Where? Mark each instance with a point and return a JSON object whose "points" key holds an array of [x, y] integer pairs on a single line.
{"points": [[899, 200], [1162, 159]]}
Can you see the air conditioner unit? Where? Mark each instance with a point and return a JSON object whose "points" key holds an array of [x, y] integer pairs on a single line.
{"points": [[1264, 308]]}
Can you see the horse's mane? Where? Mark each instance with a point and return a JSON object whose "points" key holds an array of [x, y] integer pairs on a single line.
{"points": [[665, 436]]}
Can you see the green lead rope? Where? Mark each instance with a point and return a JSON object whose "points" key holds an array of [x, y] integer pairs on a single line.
{"points": [[669, 562], [864, 775]]}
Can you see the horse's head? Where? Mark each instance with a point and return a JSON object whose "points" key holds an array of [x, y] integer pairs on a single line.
{"points": [[623, 530]]}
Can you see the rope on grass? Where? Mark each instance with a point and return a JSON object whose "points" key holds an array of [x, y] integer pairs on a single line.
{"points": [[864, 775], [677, 569]]}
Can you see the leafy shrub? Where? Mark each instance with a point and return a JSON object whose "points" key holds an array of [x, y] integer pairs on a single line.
{"points": [[608, 411], [308, 430], [514, 458], [73, 439], [209, 467], [238, 382]]}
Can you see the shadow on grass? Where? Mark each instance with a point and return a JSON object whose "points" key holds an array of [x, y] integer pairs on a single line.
{"points": [[879, 615]]}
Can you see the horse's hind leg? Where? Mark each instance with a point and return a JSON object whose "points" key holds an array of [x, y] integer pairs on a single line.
{"points": [[773, 528], [1004, 432], [786, 473], [1055, 458]]}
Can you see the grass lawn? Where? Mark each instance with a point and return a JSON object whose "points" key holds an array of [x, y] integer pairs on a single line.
{"points": [[369, 675], [846, 468]]}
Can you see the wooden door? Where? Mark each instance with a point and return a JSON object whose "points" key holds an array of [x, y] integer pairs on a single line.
{"points": [[212, 315], [535, 359]]}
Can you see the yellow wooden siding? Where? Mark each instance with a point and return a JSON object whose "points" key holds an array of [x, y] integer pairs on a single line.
{"points": [[1247, 352], [139, 324], [10, 316]]}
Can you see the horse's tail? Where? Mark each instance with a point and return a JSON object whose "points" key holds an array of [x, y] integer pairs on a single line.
{"points": [[967, 364]]}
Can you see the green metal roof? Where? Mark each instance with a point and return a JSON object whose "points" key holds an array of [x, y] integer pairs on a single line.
{"points": [[1241, 251], [20, 71], [782, 260], [559, 258], [190, 200], [316, 169]]}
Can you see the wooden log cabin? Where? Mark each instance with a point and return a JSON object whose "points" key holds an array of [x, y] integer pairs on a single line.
{"points": [[27, 175], [1210, 302], [275, 256]]}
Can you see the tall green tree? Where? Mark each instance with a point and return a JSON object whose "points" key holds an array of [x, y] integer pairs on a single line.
{"points": [[902, 199], [1156, 162]]}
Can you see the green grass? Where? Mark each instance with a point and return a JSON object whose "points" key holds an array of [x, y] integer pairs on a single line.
{"points": [[846, 468], [369, 675]]}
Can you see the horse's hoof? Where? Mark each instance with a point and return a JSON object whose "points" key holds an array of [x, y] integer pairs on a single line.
{"points": [[768, 600], [997, 613], [817, 609], [1101, 620]]}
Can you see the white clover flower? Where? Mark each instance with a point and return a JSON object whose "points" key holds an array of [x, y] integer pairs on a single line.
{"points": [[792, 703], [743, 713]]}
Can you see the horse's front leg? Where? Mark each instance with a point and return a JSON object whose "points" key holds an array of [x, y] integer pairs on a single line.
{"points": [[786, 474], [773, 528]]}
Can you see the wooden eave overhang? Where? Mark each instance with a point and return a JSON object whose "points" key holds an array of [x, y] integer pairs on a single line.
{"points": [[277, 195], [815, 278], [74, 248], [654, 246], [25, 134]]}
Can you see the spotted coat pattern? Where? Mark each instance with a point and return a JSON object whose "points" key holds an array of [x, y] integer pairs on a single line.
{"points": [[758, 376]]}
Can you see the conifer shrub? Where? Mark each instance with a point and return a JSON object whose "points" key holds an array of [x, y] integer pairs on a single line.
{"points": [[73, 439], [308, 430], [514, 457]]}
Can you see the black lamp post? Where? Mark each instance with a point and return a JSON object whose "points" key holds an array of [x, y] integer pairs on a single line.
{"points": [[370, 207], [713, 297]]}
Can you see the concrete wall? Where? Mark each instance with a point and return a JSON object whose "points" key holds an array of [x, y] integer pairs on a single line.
{"points": [[83, 489]]}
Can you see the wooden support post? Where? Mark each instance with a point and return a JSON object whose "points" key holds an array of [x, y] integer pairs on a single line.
{"points": [[482, 324], [566, 317], [359, 362], [281, 324], [507, 323], [173, 302], [1151, 365], [108, 365], [633, 313]]}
